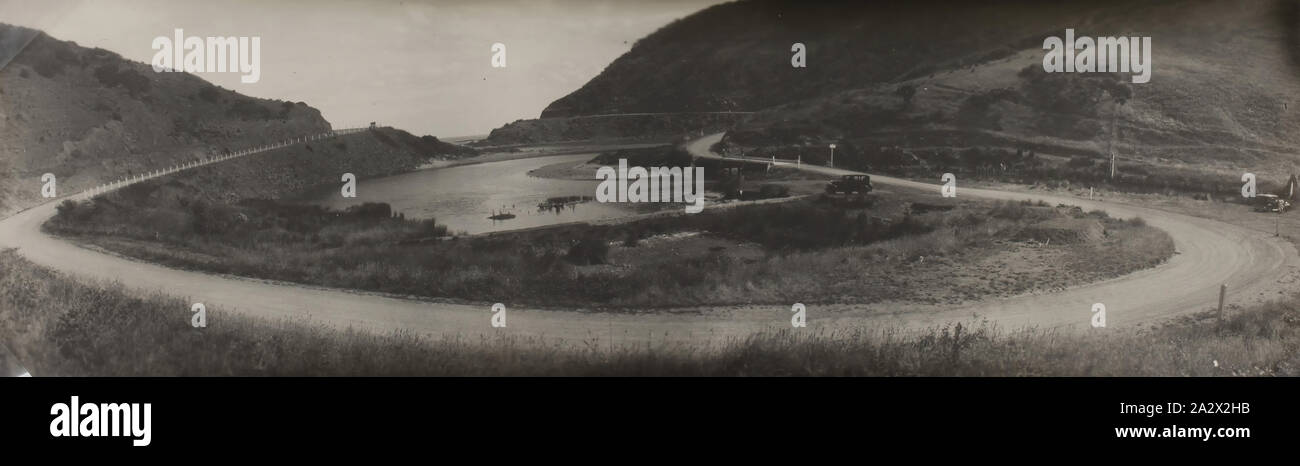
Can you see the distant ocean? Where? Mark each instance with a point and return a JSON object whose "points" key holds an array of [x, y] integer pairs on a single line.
{"points": [[463, 139]]}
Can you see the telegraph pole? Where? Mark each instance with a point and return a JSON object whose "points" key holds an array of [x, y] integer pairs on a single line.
{"points": [[1114, 132]]}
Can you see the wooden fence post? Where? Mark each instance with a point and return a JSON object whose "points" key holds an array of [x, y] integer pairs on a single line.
{"points": [[1223, 290]]}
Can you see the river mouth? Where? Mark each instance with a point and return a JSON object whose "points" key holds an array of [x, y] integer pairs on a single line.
{"points": [[484, 197]]}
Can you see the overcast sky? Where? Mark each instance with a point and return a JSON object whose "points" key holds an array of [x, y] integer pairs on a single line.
{"points": [[423, 66]]}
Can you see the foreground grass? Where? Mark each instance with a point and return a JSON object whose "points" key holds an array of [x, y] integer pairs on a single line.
{"points": [[58, 327]]}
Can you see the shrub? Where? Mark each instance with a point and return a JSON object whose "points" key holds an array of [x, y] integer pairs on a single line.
{"points": [[48, 67], [588, 251], [182, 126], [633, 239], [129, 79], [1010, 210], [371, 210], [66, 209], [249, 110], [769, 191]]}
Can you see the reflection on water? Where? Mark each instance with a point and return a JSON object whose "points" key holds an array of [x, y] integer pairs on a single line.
{"points": [[485, 197]]}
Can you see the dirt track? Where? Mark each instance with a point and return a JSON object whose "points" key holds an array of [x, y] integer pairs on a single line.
{"points": [[1255, 266], [1210, 253]]}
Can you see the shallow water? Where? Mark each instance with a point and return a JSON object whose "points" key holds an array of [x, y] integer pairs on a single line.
{"points": [[464, 197]]}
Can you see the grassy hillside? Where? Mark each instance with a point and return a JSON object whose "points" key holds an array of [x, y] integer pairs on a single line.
{"points": [[913, 87], [1218, 102], [88, 115], [736, 56]]}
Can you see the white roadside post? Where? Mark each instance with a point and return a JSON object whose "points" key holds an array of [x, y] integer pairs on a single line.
{"points": [[832, 155]]}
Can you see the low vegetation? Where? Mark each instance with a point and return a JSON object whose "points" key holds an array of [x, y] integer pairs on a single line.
{"points": [[57, 326], [825, 249], [251, 224]]}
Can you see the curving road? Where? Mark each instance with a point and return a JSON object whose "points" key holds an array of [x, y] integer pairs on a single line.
{"points": [[1211, 253]]}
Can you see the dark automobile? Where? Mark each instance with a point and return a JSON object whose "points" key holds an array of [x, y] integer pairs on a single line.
{"points": [[1270, 203], [860, 184]]}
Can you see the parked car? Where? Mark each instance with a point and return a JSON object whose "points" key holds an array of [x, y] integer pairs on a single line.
{"points": [[1270, 203], [860, 184]]}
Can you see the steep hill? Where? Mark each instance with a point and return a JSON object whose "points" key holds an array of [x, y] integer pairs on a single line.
{"points": [[736, 56], [1220, 97], [88, 116]]}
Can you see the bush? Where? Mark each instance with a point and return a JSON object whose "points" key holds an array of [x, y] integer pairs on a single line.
{"points": [[371, 210], [769, 191], [588, 251], [67, 209], [182, 126], [129, 79], [1010, 210], [633, 239], [49, 67], [249, 110]]}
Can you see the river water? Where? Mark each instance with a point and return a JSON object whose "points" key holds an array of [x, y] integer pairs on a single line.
{"points": [[463, 197]]}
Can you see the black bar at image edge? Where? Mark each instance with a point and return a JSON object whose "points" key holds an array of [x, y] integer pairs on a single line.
{"points": [[240, 414]]}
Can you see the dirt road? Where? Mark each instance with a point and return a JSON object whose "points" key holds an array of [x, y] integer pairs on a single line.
{"points": [[1210, 253], [1255, 266]]}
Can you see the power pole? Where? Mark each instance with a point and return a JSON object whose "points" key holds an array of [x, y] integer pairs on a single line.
{"points": [[1114, 133]]}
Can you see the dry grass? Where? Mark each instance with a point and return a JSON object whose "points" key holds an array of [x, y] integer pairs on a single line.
{"points": [[57, 327], [819, 250]]}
